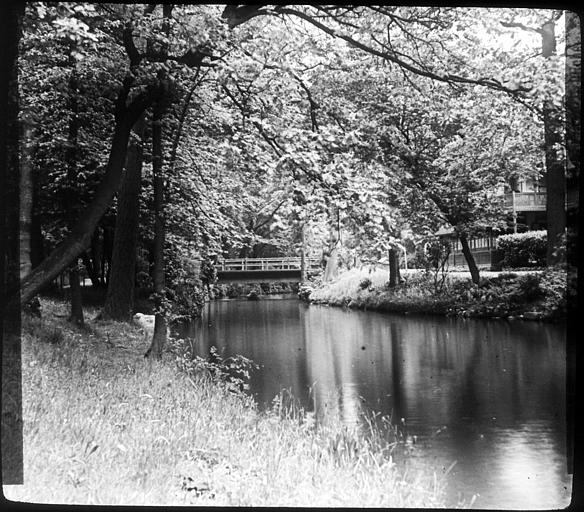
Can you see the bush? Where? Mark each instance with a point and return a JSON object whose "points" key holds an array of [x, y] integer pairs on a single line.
{"points": [[523, 249], [304, 292], [188, 299], [365, 284], [234, 371], [554, 284], [234, 291]]}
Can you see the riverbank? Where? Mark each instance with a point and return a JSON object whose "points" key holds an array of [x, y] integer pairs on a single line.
{"points": [[537, 295], [252, 290], [103, 425]]}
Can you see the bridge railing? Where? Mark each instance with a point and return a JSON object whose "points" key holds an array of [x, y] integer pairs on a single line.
{"points": [[251, 264]]}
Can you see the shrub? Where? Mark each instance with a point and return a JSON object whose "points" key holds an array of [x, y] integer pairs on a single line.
{"points": [[419, 259], [365, 284], [523, 249], [254, 293], [234, 371], [234, 291], [304, 292], [187, 301], [529, 287], [554, 285]]}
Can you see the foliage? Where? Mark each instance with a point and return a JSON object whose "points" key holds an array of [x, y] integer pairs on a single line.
{"points": [[184, 291], [438, 253], [349, 123], [503, 297], [365, 284], [554, 286], [304, 291], [208, 272], [523, 249], [540, 295], [234, 371]]}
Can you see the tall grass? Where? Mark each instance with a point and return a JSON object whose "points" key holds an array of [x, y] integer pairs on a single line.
{"points": [[102, 425]]}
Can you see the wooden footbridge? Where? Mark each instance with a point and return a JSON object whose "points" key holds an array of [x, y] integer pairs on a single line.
{"points": [[257, 270]]}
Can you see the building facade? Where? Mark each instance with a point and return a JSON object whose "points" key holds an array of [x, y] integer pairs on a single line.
{"points": [[525, 209]]}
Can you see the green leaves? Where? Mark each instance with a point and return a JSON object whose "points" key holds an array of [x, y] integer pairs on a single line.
{"points": [[299, 113]]}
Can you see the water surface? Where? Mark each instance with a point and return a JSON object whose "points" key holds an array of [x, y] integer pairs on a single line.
{"points": [[486, 394]]}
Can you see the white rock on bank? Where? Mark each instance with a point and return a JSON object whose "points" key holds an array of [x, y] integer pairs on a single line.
{"points": [[146, 322]]}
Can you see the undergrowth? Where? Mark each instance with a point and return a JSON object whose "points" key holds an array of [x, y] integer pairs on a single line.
{"points": [[536, 295]]}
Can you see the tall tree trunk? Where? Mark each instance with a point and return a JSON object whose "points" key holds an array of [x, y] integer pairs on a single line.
{"points": [[160, 325], [37, 250], [573, 126], [26, 195], [106, 254], [470, 261], [573, 137], [119, 302], [332, 263], [303, 270], [97, 254], [11, 15], [76, 311], [554, 162], [72, 192], [394, 275]]}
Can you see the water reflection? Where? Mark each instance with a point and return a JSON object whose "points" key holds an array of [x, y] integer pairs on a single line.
{"points": [[489, 395]]}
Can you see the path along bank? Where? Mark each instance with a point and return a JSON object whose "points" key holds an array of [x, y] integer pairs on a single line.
{"points": [[103, 425], [533, 295]]}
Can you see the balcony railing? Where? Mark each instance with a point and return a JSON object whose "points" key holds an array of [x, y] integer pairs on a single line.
{"points": [[526, 201]]}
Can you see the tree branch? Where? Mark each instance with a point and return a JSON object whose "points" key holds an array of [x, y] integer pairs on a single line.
{"points": [[192, 58], [130, 47], [238, 14], [514, 24], [391, 57], [270, 216]]}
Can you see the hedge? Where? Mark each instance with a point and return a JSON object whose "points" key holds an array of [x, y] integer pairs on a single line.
{"points": [[523, 249]]}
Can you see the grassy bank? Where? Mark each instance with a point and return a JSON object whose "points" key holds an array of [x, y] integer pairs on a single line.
{"points": [[102, 425], [535, 295]]}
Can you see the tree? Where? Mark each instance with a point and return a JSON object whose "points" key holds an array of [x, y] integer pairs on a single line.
{"points": [[26, 190], [554, 159], [160, 320], [71, 205], [573, 130], [11, 15], [264, 71], [549, 98], [119, 302], [158, 183], [127, 111], [136, 94], [443, 155]]}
